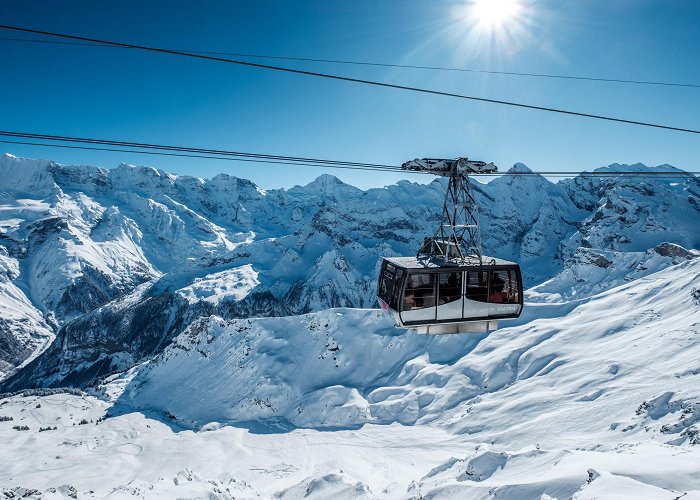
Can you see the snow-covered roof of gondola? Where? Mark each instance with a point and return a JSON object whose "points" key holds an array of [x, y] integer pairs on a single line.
{"points": [[435, 263]]}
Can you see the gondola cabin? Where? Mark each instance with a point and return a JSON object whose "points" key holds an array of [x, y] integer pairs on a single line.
{"points": [[432, 296]]}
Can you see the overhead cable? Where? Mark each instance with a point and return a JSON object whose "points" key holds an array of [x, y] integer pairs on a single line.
{"points": [[353, 80], [206, 157], [237, 156], [48, 137], [383, 65]]}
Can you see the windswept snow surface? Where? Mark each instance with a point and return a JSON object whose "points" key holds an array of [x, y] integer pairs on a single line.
{"points": [[589, 398], [344, 368]]}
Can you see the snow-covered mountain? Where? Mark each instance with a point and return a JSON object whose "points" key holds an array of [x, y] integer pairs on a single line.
{"points": [[116, 263]]}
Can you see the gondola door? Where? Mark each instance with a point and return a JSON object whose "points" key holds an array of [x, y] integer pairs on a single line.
{"points": [[476, 295], [449, 296]]}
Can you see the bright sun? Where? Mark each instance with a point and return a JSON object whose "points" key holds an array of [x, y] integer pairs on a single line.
{"points": [[493, 25], [495, 12]]}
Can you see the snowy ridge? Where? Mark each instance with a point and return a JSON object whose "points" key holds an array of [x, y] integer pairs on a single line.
{"points": [[589, 271]]}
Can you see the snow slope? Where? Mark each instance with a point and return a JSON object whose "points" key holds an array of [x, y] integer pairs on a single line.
{"points": [[23, 331], [344, 368], [589, 398]]}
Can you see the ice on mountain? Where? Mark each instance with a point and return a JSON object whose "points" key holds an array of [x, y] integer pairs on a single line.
{"points": [[23, 331], [127, 259], [327, 186], [27, 178]]}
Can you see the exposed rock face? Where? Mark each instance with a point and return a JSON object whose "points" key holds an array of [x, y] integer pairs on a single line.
{"points": [[128, 330], [672, 250], [117, 262]]}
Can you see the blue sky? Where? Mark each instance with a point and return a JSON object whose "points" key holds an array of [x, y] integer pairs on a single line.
{"points": [[128, 95]]}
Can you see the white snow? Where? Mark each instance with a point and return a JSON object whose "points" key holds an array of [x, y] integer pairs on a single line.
{"points": [[585, 399], [30, 332], [232, 284], [102, 232]]}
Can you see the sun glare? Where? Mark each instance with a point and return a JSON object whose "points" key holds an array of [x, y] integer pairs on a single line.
{"points": [[495, 26], [495, 12]]}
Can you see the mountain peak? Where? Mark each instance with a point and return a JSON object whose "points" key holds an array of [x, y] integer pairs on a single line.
{"points": [[326, 179], [34, 178], [519, 168], [623, 167], [145, 170], [329, 185]]}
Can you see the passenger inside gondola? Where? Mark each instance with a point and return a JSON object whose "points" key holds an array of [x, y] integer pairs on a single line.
{"points": [[497, 295], [421, 290], [409, 301], [450, 286]]}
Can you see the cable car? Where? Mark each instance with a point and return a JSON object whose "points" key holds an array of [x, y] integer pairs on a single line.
{"points": [[440, 297], [449, 287]]}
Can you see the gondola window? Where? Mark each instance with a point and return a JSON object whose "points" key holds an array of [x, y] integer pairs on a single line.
{"points": [[420, 291], [477, 286], [450, 287]]}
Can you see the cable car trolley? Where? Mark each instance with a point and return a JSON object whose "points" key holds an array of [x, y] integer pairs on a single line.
{"points": [[449, 286]]}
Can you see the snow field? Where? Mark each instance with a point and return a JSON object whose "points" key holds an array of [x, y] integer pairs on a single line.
{"points": [[594, 399], [134, 456], [577, 375], [134, 451]]}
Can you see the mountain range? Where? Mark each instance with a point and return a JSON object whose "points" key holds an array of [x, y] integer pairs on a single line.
{"points": [[113, 264]]}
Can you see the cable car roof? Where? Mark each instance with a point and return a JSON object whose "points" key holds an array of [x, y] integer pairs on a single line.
{"points": [[436, 263]]}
